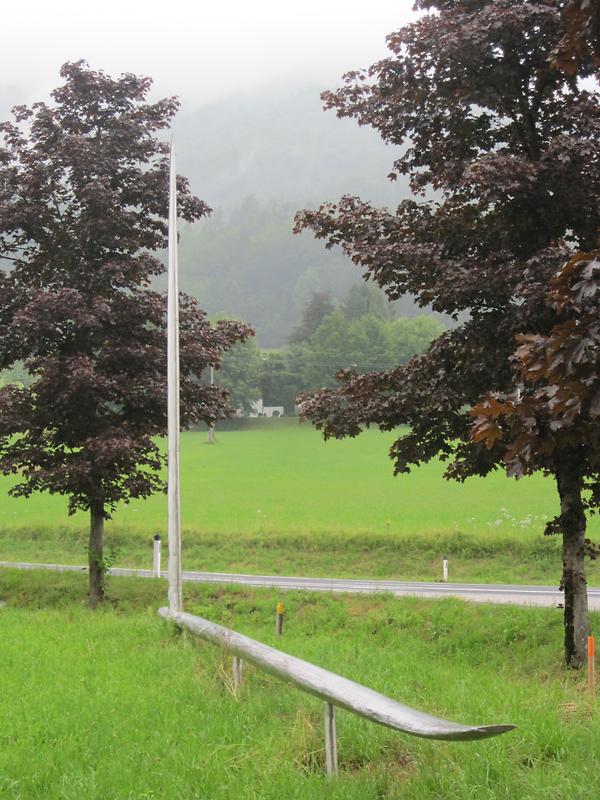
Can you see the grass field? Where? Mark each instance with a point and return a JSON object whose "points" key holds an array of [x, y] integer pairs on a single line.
{"points": [[277, 498], [116, 706]]}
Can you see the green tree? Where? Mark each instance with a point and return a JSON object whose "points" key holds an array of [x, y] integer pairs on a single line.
{"points": [[240, 375], [412, 336], [366, 298], [17, 374], [326, 351], [367, 343], [282, 378], [317, 307]]}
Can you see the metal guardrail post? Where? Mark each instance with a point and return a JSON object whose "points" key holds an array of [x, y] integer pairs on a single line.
{"points": [[331, 763], [238, 673]]}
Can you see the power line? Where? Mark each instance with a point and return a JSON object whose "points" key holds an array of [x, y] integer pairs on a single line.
{"points": [[338, 364]]}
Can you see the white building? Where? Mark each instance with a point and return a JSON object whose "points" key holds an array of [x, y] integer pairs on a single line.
{"points": [[260, 410]]}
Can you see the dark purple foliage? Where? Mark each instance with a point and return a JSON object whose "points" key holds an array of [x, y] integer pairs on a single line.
{"points": [[83, 207], [510, 144]]}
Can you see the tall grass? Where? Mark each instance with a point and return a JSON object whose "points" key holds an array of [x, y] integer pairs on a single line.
{"points": [[118, 705]]}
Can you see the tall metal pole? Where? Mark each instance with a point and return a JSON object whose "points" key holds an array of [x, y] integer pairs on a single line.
{"points": [[175, 595], [211, 428]]}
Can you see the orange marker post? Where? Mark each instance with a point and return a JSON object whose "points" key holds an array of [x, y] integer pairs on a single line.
{"points": [[279, 619], [591, 669]]}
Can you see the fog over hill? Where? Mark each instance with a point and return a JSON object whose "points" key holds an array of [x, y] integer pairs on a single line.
{"points": [[257, 158], [9, 97], [281, 147]]}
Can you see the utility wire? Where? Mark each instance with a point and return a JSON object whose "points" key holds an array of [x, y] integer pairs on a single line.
{"points": [[340, 365]]}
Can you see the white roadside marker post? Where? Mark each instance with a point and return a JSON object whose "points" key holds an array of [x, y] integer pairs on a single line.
{"points": [[175, 594], [156, 556], [445, 570]]}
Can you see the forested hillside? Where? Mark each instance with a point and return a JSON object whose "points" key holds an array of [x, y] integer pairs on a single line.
{"points": [[284, 148], [250, 265], [257, 159]]}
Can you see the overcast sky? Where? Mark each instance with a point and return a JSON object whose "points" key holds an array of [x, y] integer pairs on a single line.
{"points": [[200, 50]]}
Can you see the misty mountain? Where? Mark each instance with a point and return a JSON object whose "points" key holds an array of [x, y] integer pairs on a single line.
{"points": [[249, 265], [257, 159], [282, 148]]}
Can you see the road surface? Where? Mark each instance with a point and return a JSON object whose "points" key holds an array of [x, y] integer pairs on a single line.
{"points": [[476, 592]]}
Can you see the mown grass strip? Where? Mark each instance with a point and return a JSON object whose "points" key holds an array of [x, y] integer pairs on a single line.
{"points": [[409, 557], [283, 479]]}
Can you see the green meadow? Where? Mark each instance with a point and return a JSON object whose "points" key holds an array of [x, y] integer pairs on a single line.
{"points": [[276, 497], [118, 705]]}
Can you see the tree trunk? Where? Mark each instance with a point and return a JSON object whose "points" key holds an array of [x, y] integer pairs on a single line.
{"points": [[96, 555], [573, 524]]}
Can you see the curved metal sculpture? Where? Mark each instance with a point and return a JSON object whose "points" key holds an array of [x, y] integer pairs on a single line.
{"points": [[332, 688]]}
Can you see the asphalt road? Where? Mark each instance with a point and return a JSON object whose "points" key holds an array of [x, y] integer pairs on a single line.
{"points": [[476, 592]]}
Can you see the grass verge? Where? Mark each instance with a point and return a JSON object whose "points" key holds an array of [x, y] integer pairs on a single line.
{"points": [[497, 559], [117, 705]]}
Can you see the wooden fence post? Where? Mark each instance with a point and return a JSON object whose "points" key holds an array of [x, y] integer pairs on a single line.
{"points": [[238, 673]]}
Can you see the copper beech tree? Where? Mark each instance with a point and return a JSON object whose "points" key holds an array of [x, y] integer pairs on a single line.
{"points": [[502, 148], [580, 44], [83, 207]]}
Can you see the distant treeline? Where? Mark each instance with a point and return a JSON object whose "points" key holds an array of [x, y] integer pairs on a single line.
{"points": [[363, 332], [249, 265]]}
